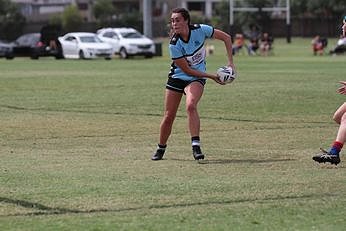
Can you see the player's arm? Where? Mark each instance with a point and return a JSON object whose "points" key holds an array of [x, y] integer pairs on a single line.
{"points": [[185, 67], [226, 38]]}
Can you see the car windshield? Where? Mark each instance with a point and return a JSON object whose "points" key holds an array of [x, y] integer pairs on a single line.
{"points": [[131, 35], [89, 39], [28, 39]]}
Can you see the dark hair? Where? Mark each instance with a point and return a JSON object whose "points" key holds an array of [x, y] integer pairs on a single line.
{"points": [[186, 15], [184, 12]]}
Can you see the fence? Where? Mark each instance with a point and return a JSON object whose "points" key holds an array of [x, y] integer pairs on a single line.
{"points": [[303, 27]]}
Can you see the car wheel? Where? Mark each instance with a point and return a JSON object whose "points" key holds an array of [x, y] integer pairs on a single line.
{"points": [[9, 56], [59, 54], [34, 53], [81, 54], [123, 53]]}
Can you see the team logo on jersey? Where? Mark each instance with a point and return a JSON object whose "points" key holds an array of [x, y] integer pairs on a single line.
{"points": [[197, 57]]}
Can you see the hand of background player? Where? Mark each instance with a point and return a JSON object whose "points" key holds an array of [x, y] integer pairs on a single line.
{"points": [[342, 89]]}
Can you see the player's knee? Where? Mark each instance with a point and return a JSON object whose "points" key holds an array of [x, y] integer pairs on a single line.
{"points": [[337, 118], [191, 108], [343, 119], [168, 118]]}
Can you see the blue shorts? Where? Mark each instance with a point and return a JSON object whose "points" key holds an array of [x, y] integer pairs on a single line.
{"points": [[179, 85]]}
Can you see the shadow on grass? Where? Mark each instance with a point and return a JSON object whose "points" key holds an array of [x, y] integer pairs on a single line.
{"points": [[236, 161], [46, 210]]}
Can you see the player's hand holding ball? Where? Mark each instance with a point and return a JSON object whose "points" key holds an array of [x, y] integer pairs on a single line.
{"points": [[226, 74]]}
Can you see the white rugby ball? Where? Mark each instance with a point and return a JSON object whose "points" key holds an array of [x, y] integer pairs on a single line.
{"points": [[226, 74]]}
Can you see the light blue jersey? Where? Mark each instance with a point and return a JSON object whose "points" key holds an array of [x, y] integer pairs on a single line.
{"points": [[192, 50]]}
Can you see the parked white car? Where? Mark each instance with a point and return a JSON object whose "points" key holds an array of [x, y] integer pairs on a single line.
{"points": [[127, 42], [84, 45]]}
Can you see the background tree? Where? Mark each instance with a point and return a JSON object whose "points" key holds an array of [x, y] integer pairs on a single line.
{"points": [[318, 8], [11, 20], [55, 19], [327, 13], [222, 13], [132, 19], [242, 20], [71, 19], [104, 12]]}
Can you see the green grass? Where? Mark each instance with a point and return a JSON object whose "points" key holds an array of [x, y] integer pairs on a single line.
{"points": [[76, 139]]}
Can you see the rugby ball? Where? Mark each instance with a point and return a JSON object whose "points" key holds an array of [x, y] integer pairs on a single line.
{"points": [[226, 74]]}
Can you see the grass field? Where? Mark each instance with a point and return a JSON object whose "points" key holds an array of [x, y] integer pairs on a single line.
{"points": [[76, 139]]}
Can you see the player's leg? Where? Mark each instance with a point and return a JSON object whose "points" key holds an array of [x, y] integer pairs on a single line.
{"points": [[340, 118], [172, 101], [194, 92], [332, 155], [341, 136], [339, 113]]}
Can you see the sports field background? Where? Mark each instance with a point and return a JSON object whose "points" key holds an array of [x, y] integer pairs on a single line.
{"points": [[76, 137]]}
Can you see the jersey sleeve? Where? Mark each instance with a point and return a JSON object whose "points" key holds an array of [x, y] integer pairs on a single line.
{"points": [[208, 30]]}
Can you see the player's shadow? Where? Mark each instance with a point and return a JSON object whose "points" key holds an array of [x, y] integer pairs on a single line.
{"points": [[239, 161], [236, 161], [40, 209]]}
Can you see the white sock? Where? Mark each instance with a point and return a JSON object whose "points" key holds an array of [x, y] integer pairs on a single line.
{"points": [[196, 143]]}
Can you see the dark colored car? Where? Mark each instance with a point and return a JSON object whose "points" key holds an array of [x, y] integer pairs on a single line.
{"points": [[5, 49], [34, 46]]}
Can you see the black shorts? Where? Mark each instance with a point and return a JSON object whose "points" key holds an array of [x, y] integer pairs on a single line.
{"points": [[179, 85]]}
